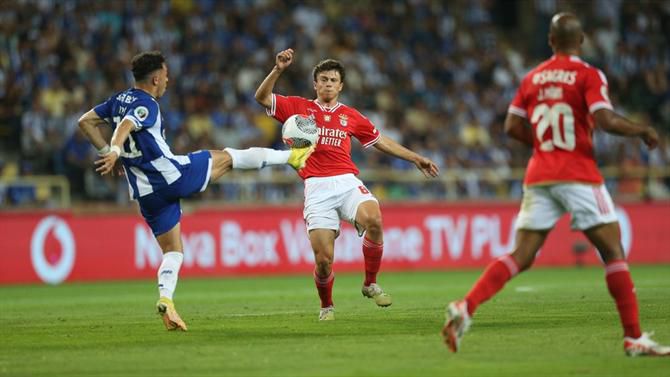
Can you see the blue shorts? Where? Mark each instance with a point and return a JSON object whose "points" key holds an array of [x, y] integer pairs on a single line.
{"points": [[161, 209]]}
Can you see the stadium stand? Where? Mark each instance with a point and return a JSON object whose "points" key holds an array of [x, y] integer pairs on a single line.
{"points": [[434, 76]]}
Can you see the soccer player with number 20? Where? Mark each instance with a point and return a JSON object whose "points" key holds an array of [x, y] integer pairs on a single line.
{"points": [[562, 98]]}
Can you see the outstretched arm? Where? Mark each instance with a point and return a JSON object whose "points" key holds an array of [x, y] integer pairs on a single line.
{"points": [[264, 91], [517, 128], [106, 163], [388, 146], [616, 124], [89, 123]]}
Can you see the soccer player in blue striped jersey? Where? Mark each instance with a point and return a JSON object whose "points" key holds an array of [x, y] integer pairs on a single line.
{"points": [[157, 178]]}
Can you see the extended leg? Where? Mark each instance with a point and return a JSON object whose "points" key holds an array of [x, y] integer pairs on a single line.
{"points": [[492, 280]]}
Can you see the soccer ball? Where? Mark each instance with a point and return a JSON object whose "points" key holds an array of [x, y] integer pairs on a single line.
{"points": [[299, 131]]}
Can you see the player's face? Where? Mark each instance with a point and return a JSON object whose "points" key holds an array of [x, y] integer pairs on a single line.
{"points": [[328, 85], [162, 80]]}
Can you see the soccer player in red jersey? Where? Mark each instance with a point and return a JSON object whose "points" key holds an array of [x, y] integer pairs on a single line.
{"points": [[332, 190], [563, 99]]}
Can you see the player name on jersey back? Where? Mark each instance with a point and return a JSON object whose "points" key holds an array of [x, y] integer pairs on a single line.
{"points": [[555, 76]]}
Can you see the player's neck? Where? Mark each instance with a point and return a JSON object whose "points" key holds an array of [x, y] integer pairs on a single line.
{"points": [[568, 52], [327, 104], [145, 88]]}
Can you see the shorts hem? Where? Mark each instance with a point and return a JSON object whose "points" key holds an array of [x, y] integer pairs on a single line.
{"points": [[592, 225]]}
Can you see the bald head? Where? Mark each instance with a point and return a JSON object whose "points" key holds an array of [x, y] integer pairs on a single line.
{"points": [[565, 33]]}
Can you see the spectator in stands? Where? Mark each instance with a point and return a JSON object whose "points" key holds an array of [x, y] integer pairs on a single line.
{"points": [[438, 69]]}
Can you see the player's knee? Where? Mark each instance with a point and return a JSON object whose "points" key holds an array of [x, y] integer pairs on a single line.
{"points": [[222, 162], [323, 261], [372, 223]]}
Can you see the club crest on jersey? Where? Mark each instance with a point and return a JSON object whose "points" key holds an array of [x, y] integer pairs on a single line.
{"points": [[343, 120], [326, 118], [141, 113]]}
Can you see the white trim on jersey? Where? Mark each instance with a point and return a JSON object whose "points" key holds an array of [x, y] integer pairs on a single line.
{"points": [[130, 187], [273, 107], [576, 59], [138, 125], [326, 109], [600, 105], [143, 185], [209, 174], [517, 111], [155, 132], [373, 142], [602, 76], [167, 169]]}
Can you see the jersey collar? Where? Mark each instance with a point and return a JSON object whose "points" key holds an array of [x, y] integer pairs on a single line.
{"points": [[327, 109], [573, 58]]}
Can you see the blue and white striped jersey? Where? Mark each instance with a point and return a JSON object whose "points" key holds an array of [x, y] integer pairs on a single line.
{"points": [[146, 157]]}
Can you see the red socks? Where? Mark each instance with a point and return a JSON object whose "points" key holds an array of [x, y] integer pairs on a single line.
{"points": [[619, 284], [325, 287], [372, 253], [491, 281], [621, 287]]}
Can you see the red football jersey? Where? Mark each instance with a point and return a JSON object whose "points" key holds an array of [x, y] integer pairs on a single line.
{"points": [[558, 98], [336, 127]]}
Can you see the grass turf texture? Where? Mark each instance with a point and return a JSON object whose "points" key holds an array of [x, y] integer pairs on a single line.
{"points": [[545, 322]]}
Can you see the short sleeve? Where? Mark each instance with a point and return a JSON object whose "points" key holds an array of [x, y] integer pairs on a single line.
{"points": [[518, 105], [104, 110], [365, 131], [143, 113], [596, 91], [283, 107]]}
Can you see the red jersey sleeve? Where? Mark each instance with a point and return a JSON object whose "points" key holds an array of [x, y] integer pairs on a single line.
{"points": [[283, 107], [596, 91], [365, 131], [518, 105]]}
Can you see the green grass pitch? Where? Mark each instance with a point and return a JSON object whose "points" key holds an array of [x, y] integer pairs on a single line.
{"points": [[546, 322]]}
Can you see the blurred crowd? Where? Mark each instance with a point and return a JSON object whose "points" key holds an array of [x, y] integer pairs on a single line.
{"points": [[436, 76]]}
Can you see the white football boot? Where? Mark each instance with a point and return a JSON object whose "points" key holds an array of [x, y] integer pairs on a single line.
{"points": [[376, 292], [457, 323], [327, 314], [644, 346]]}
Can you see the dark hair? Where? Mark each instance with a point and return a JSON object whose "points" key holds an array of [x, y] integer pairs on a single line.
{"points": [[329, 65], [146, 62]]}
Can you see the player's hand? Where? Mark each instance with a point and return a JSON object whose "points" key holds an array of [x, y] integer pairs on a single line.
{"points": [[284, 59], [427, 167], [106, 163], [650, 137]]}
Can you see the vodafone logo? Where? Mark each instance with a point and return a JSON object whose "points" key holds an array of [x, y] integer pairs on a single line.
{"points": [[56, 271]]}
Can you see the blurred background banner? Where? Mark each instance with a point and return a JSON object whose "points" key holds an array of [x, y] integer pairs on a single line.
{"points": [[436, 76], [62, 246]]}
